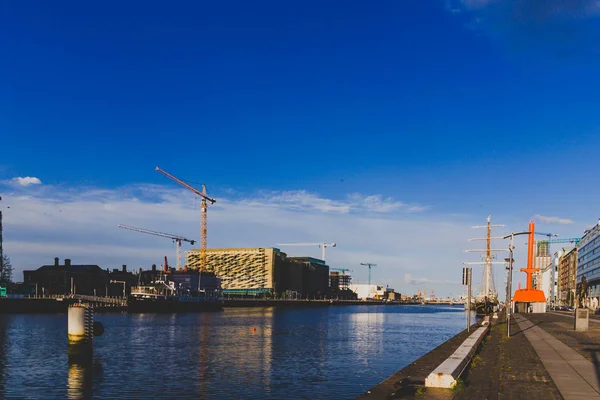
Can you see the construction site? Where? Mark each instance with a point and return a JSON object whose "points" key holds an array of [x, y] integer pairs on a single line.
{"points": [[264, 271]]}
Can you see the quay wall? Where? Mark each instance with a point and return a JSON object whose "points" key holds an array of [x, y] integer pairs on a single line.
{"points": [[406, 382], [53, 305], [45, 306]]}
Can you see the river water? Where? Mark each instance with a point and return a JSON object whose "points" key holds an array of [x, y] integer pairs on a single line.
{"points": [[240, 353]]}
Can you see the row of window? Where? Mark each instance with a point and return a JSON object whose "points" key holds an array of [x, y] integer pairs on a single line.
{"points": [[588, 245], [592, 234], [592, 274], [590, 264], [588, 253]]}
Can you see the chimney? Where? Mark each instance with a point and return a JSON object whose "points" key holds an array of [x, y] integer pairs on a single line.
{"points": [[56, 262], [185, 268], [67, 262], [124, 268], [153, 267]]}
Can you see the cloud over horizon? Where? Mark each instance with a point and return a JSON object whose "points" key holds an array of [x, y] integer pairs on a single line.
{"points": [[81, 224], [302, 200]]}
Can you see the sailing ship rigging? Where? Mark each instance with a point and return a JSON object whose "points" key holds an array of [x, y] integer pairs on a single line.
{"points": [[487, 297]]}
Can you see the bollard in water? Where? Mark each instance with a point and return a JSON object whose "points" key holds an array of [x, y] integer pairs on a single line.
{"points": [[80, 330]]}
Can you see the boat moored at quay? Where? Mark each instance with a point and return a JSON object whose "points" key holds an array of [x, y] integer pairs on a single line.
{"points": [[172, 293]]}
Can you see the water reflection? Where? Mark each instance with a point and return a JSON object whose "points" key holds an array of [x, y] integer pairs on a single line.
{"points": [[262, 353], [367, 338], [243, 346], [81, 376], [4, 320]]}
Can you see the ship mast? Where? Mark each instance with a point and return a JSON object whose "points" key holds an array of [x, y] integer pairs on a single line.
{"points": [[487, 288]]}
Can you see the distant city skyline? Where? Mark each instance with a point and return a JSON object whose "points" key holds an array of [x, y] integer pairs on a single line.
{"points": [[388, 128]]}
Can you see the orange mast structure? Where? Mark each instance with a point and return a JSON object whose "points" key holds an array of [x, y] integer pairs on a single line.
{"points": [[529, 294]]}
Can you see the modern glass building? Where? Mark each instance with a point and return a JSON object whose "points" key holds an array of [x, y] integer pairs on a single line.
{"points": [[588, 261]]}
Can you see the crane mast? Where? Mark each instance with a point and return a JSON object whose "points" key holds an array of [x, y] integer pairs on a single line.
{"points": [[203, 213], [370, 265]]}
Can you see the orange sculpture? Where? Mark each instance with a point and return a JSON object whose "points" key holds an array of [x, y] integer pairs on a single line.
{"points": [[529, 294]]}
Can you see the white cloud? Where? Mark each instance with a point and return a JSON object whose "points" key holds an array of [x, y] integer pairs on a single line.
{"points": [[409, 280], [81, 224], [26, 181], [553, 220], [302, 200]]}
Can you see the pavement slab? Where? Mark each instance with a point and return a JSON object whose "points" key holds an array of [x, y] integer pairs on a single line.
{"points": [[573, 374], [507, 368]]}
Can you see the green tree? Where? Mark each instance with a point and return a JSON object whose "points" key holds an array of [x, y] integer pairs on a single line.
{"points": [[6, 269]]}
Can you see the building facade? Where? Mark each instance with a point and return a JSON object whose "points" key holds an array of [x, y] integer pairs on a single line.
{"points": [[544, 282], [60, 279], [588, 262], [338, 281], [252, 270], [567, 275], [262, 271], [307, 275]]}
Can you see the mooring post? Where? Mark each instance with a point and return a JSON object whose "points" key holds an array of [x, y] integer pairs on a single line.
{"points": [[80, 330]]}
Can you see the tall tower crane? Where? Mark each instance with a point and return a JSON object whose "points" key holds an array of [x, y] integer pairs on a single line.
{"points": [[549, 236], [177, 239], [204, 207], [323, 246], [369, 265]]}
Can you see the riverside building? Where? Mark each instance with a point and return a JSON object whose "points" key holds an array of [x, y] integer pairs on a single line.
{"points": [[265, 271], [588, 263], [567, 275]]}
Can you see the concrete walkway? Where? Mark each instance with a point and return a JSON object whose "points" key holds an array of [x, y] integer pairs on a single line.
{"points": [[576, 377], [591, 319]]}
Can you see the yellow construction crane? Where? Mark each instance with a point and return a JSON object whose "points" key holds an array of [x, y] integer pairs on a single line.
{"points": [[203, 210]]}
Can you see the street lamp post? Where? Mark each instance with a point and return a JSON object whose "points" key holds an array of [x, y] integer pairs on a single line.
{"points": [[123, 282], [509, 279]]}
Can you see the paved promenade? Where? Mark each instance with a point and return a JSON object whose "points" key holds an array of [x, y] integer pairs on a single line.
{"points": [[570, 357], [507, 368], [545, 358]]}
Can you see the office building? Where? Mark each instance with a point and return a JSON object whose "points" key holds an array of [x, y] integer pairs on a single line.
{"points": [[567, 275], [588, 262], [264, 271]]}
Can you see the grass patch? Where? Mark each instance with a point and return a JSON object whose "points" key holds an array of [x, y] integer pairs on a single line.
{"points": [[476, 361], [459, 386], [420, 392]]}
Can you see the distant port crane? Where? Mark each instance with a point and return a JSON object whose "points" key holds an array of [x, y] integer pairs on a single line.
{"points": [[323, 246], [203, 218], [176, 238], [369, 265], [563, 240]]}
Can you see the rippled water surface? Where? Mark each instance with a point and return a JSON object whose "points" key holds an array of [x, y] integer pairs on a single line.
{"points": [[252, 353]]}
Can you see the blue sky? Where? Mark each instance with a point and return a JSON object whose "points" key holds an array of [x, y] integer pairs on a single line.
{"points": [[378, 118]]}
